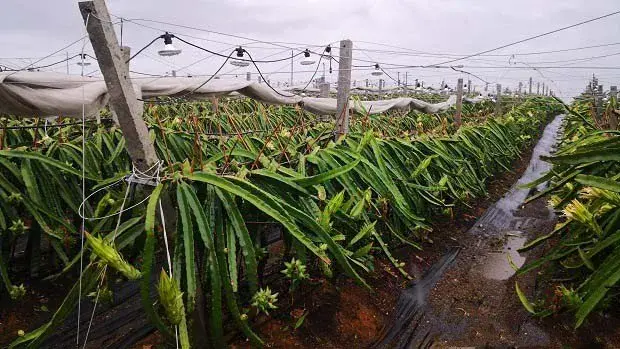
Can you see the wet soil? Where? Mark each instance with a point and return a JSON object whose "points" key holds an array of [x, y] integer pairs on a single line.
{"points": [[469, 307], [474, 304], [345, 315], [341, 314]]}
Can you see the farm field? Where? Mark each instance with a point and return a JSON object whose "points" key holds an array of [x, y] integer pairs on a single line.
{"points": [[243, 175]]}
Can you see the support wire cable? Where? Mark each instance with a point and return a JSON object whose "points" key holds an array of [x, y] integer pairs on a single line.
{"points": [[530, 38]]}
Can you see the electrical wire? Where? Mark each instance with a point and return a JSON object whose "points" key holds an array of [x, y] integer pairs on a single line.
{"points": [[388, 75], [266, 82], [51, 54], [318, 64], [237, 58], [468, 73], [193, 90], [456, 55], [52, 64], [530, 38], [142, 49], [280, 44]]}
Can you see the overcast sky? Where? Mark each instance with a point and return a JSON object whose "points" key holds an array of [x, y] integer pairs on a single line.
{"points": [[387, 31]]}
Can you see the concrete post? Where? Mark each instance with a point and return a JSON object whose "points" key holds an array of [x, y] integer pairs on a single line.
{"points": [[115, 73], [468, 86], [498, 105], [125, 55], [520, 86], [538, 88], [530, 90], [214, 105], [292, 60], [344, 87], [459, 103], [248, 76], [324, 90], [613, 118], [324, 93], [599, 102]]}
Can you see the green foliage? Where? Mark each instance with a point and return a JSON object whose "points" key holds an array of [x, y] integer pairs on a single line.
{"points": [[110, 256], [295, 271], [264, 300], [171, 298], [339, 204], [584, 187]]}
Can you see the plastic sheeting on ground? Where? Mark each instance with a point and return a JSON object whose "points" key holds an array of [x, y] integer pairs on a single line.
{"points": [[49, 94]]}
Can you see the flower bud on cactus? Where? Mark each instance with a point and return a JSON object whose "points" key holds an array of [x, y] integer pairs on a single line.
{"points": [[171, 298], [112, 257], [576, 211], [17, 292]]}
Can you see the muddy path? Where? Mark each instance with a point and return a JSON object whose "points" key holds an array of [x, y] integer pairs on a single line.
{"points": [[467, 297], [341, 314]]}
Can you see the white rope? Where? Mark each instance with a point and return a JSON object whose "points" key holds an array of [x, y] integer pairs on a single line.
{"points": [[92, 315], [163, 223], [135, 175], [77, 339]]}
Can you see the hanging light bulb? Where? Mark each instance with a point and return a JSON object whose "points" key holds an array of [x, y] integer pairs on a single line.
{"points": [[327, 52], [169, 49], [238, 63], [83, 62], [307, 60], [377, 71]]}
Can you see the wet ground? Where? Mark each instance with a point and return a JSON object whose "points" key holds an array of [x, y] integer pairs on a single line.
{"points": [[466, 303], [467, 297]]}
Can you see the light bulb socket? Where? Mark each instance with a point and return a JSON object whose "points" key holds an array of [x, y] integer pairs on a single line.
{"points": [[307, 53], [328, 49], [240, 51], [167, 38]]}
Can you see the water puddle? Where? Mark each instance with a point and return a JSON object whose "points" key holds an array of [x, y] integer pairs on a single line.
{"points": [[501, 231], [500, 218], [501, 265]]}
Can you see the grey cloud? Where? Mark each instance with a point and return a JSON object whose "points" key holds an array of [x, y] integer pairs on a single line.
{"points": [[37, 28]]}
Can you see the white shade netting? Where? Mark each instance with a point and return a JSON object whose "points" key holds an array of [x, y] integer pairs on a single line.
{"points": [[44, 94]]}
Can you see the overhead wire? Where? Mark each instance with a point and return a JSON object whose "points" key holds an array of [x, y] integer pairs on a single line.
{"points": [[531, 38], [195, 89], [238, 59], [273, 43], [456, 55], [266, 82], [318, 64], [51, 54]]}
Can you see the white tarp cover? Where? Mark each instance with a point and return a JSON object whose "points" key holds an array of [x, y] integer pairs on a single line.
{"points": [[48, 94]]}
